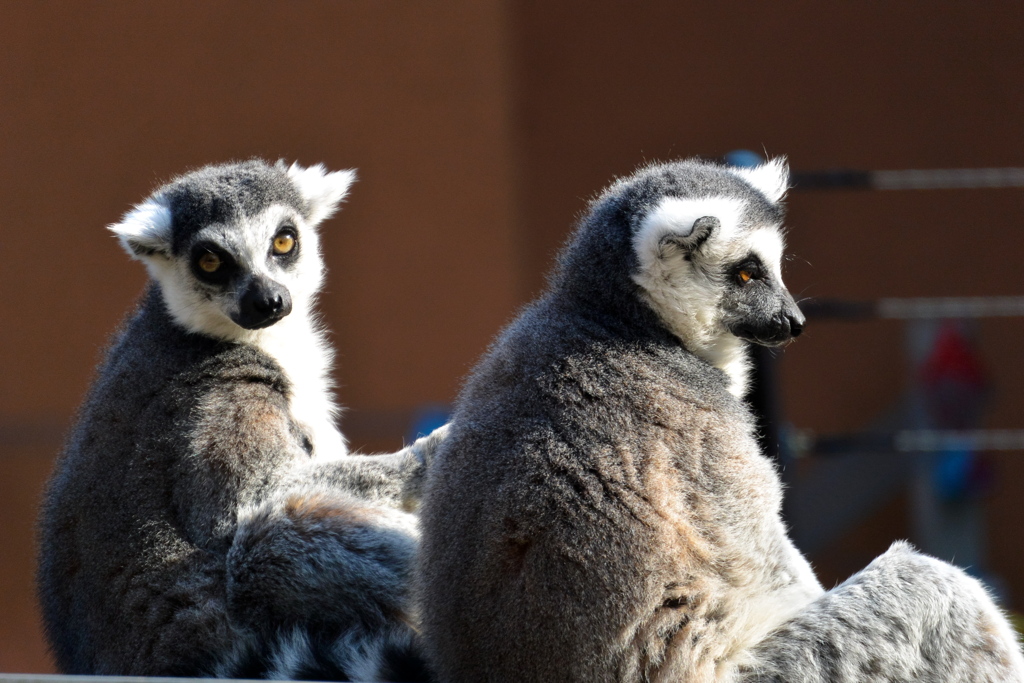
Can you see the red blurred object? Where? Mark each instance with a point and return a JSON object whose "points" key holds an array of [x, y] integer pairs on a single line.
{"points": [[953, 359]]}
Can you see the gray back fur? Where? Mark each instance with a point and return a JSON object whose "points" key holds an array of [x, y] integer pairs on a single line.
{"points": [[600, 510], [140, 512]]}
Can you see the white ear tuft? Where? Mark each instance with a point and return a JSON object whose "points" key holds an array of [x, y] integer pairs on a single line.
{"points": [[770, 178], [323, 190], [146, 229]]}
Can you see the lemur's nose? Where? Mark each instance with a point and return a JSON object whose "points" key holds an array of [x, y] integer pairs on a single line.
{"points": [[262, 303], [796, 325], [271, 304]]}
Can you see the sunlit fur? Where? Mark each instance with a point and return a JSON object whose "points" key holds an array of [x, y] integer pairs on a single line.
{"points": [[205, 517]]}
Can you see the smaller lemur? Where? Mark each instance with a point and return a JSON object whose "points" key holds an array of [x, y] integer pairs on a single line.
{"points": [[600, 510], [205, 517]]}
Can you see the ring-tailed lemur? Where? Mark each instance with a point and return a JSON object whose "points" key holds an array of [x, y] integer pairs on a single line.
{"points": [[205, 517], [600, 510]]}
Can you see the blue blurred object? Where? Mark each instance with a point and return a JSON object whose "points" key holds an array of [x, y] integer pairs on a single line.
{"points": [[744, 158], [951, 473], [427, 418]]}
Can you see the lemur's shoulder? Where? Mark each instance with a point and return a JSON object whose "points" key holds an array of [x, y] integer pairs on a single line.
{"points": [[151, 346]]}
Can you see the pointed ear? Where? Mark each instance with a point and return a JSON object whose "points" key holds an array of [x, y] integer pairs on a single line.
{"points": [[322, 190], [146, 229], [770, 178]]}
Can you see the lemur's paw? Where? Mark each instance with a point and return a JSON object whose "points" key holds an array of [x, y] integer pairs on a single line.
{"points": [[425, 446]]}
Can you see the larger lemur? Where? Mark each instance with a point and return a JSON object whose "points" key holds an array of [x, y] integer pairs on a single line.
{"points": [[600, 510], [205, 517]]}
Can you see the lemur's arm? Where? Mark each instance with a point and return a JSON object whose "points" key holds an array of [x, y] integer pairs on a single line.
{"points": [[905, 617], [393, 479]]}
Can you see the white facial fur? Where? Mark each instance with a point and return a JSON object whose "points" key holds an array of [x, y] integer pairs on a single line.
{"points": [[199, 309], [297, 342], [687, 294]]}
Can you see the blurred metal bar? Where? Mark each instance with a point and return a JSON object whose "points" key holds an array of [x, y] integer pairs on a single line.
{"points": [[838, 309], [909, 179], [907, 441], [832, 179], [925, 440], [915, 308], [952, 307], [947, 179]]}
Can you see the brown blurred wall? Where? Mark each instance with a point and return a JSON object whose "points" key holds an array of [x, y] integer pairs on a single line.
{"points": [[479, 128]]}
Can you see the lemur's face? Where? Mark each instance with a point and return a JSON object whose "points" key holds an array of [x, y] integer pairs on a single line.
{"points": [[711, 267], [234, 248], [247, 271], [756, 305]]}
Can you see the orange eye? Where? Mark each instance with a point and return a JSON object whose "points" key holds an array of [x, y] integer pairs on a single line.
{"points": [[745, 275], [284, 243], [209, 262]]}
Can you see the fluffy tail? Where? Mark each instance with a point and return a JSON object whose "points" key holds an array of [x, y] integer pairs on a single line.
{"points": [[392, 655], [321, 582]]}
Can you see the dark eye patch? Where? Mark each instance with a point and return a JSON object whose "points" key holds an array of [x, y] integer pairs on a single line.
{"points": [[224, 272], [749, 269]]}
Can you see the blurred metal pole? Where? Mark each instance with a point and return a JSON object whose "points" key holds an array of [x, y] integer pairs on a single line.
{"points": [[923, 308], [908, 179]]}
